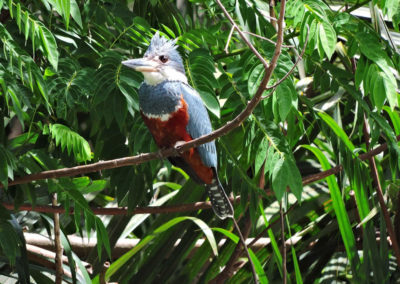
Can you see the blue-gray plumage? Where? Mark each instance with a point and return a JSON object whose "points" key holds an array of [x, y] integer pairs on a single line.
{"points": [[153, 101], [174, 112]]}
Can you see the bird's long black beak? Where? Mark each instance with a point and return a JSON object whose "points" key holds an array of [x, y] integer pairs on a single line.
{"points": [[141, 64]]}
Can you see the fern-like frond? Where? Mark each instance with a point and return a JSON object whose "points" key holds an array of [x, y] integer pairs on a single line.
{"points": [[67, 138]]}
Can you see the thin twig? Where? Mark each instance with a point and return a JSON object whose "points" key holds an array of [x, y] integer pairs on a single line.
{"points": [[267, 39], [284, 271], [229, 40], [248, 43], [242, 239], [57, 242], [231, 266], [386, 215], [271, 92], [295, 64], [104, 269]]}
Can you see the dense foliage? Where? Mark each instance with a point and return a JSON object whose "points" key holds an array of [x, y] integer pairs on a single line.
{"points": [[66, 100]]}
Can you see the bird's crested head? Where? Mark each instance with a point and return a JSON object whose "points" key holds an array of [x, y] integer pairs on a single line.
{"points": [[160, 62]]}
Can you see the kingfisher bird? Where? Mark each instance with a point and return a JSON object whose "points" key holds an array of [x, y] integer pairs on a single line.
{"points": [[174, 113]]}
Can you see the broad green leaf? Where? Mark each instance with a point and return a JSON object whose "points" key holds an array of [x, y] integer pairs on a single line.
{"points": [[75, 13], [285, 97], [66, 9], [256, 75], [390, 89], [395, 118], [211, 103], [285, 173], [327, 37], [49, 45], [378, 91], [261, 155]]}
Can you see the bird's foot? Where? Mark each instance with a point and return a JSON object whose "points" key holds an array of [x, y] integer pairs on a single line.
{"points": [[177, 151]]}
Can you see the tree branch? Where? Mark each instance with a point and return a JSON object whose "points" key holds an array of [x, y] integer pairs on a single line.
{"points": [[57, 243], [295, 64], [375, 177], [164, 153], [183, 207]]}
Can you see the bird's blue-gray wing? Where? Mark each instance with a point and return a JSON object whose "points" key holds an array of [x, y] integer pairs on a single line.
{"points": [[199, 124]]}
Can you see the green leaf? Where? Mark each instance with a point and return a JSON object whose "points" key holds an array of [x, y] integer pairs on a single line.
{"points": [[338, 131], [72, 141], [211, 102], [75, 13], [66, 8], [285, 97], [258, 267], [27, 25], [261, 155], [285, 173], [116, 265], [7, 164], [102, 237], [49, 45], [19, 16], [256, 75], [394, 117], [327, 37], [378, 91], [340, 211]]}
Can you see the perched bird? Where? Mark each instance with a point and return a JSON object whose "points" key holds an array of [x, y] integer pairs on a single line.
{"points": [[174, 113]]}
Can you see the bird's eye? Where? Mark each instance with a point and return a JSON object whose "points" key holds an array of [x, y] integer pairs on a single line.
{"points": [[163, 58]]}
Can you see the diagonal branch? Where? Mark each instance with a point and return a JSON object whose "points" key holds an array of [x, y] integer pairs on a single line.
{"points": [[164, 153], [295, 64]]}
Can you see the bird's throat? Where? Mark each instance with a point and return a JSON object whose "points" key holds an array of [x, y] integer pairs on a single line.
{"points": [[166, 74]]}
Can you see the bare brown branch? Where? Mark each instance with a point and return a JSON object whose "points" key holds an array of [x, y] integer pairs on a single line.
{"points": [[267, 39], [57, 243], [377, 182], [294, 66], [184, 207]]}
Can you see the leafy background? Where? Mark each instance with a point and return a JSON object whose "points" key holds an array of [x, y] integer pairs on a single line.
{"points": [[66, 100]]}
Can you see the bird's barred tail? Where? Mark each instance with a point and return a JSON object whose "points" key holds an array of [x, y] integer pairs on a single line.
{"points": [[219, 200]]}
